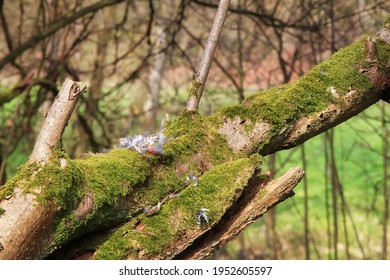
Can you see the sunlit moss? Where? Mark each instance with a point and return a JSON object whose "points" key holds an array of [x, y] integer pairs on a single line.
{"points": [[176, 218], [287, 103], [113, 175], [383, 50]]}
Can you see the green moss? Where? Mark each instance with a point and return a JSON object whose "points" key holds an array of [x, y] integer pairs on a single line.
{"points": [[67, 226], [386, 23], [342, 70], [50, 182], [195, 86], [113, 175], [63, 186], [383, 49], [106, 178], [194, 134], [187, 132], [162, 181], [20, 179], [2, 211], [118, 245], [310, 94], [217, 190]]}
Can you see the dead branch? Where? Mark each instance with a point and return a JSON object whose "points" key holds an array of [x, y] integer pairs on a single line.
{"points": [[261, 195], [56, 120], [26, 226]]}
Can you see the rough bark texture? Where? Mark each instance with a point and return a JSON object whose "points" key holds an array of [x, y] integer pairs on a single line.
{"points": [[56, 120], [110, 191], [26, 226]]}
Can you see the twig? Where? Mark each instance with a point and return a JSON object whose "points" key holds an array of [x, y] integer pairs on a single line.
{"points": [[207, 57]]}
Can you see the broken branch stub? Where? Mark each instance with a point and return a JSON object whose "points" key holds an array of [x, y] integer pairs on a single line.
{"points": [[56, 120]]}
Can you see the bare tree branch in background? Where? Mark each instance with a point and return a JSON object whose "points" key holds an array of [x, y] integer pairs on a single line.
{"points": [[54, 27]]}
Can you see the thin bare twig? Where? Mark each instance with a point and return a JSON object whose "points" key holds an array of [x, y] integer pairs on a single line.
{"points": [[207, 57]]}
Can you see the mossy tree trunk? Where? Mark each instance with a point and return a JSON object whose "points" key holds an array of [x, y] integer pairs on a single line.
{"points": [[96, 204]]}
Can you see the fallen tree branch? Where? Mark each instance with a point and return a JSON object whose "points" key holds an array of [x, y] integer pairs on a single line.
{"points": [[261, 195], [26, 225]]}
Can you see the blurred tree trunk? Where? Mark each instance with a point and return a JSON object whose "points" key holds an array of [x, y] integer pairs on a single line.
{"points": [[270, 220], [327, 195], [306, 206], [89, 119], [155, 79], [385, 147], [3, 164], [334, 185]]}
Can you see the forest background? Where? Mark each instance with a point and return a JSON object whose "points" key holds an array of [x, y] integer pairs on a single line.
{"points": [[138, 59]]}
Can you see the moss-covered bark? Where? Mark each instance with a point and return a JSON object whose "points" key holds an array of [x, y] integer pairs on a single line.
{"points": [[174, 227], [111, 190]]}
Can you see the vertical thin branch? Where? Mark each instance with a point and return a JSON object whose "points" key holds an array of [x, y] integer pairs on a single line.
{"points": [[306, 205], [271, 216], [343, 215], [385, 146], [240, 57], [326, 173], [330, 139], [331, 166], [3, 175], [332, 28], [200, 78]]}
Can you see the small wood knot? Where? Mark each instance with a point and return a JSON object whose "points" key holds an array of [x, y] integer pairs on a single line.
{"points": [[76, 90]]}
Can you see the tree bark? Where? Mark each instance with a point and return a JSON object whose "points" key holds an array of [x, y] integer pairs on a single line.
{"points": [[25, 224], [56, 121], [207, 57], [68, 199]]}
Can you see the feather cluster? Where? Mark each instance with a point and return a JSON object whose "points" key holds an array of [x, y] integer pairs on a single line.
{"points": [[192, 178], [146, 143], [200, 215]]}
